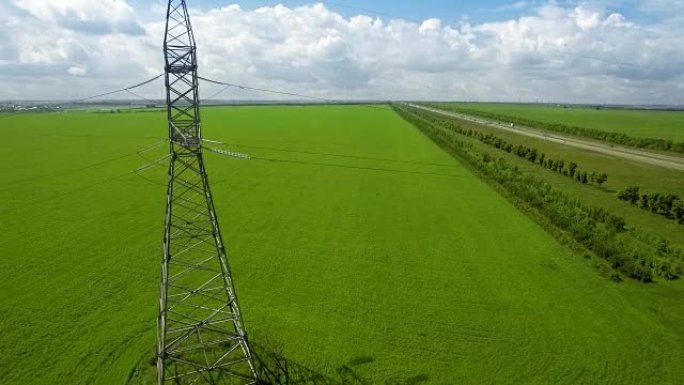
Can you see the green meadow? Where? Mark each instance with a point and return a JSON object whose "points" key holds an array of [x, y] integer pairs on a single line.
{"points": [[632, 122], [360, 250], [621, 172]]}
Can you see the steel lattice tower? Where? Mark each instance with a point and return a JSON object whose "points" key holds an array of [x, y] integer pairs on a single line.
{"points": [[200, 337]]}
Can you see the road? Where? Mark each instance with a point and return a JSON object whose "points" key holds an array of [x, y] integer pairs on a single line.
{"points": [[671, 162]]}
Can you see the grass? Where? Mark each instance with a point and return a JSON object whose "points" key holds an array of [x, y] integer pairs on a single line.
{"points": [[621, 172], [397, 263], [636, 123]]}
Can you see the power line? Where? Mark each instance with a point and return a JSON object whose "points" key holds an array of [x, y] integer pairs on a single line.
{"points": [[140, 153], [244, 87], [115, 91], [382, 169], [302, 162], [222, 90], [293, 94], [148, 179], [54, 197], [89, 186], [81, 100], [153, 163], [87, 167], [329, 154], [138, 171], [153, 102]]}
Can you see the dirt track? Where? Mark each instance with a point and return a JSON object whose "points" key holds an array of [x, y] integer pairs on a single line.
{"points": [[671, 162]]}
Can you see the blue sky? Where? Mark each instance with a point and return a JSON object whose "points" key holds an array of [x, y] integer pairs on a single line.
{"points": [[411, 10], [449, 11]]}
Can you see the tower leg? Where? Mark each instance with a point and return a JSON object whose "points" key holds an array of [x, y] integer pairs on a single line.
{"points": [[200, 334]]}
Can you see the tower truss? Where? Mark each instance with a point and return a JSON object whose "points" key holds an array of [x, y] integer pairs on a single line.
{"points": [[200, 335]]}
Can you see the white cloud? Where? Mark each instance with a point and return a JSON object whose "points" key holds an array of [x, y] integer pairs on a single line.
{"points": [[77, 71], [586, 18], [87, 16], [576, 54]]}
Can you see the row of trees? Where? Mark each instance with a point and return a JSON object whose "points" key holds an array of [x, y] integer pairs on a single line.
{"points": [[569, 169], [629, 251], [669, 205], [606, 136]]}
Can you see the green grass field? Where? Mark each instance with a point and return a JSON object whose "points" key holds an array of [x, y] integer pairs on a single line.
{"points": [[621, 172], [637, 123], [359, 245]]}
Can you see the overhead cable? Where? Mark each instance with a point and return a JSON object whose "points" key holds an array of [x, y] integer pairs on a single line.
{"points": [[302, 162], [329, 154], [146, 82], [286, 93], [81, 100]]}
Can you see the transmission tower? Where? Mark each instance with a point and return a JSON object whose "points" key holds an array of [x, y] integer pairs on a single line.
{"points": [[200, 337]]}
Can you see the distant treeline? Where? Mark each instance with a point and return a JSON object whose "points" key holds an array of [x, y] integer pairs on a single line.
{"points": [[669, 205], [592, 133], [634, 253], [528, 153], [134, 110]]}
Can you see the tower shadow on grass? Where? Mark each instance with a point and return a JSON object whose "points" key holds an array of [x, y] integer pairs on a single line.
{"points": [[274, 368]]}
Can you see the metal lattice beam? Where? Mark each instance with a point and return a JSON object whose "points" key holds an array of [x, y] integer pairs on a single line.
{"points": [[200, 337]]}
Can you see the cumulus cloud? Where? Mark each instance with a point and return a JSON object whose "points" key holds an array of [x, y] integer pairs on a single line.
{"points": [[44, 48], [86, 16], [560, 53]]}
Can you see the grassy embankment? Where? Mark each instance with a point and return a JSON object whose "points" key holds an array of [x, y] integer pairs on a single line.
{"points": [[650, 129], [621, 173]]}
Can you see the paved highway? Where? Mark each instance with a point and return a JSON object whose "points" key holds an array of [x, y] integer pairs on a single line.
{"points": [[667, 161]]}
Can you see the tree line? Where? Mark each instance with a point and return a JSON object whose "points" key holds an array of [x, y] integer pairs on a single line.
{"points": [[568, 169], [627, 250], [669, 205], [592, 133]]}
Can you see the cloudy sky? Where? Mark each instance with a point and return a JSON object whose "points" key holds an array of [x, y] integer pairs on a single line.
{"points": [[601, 51]]}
